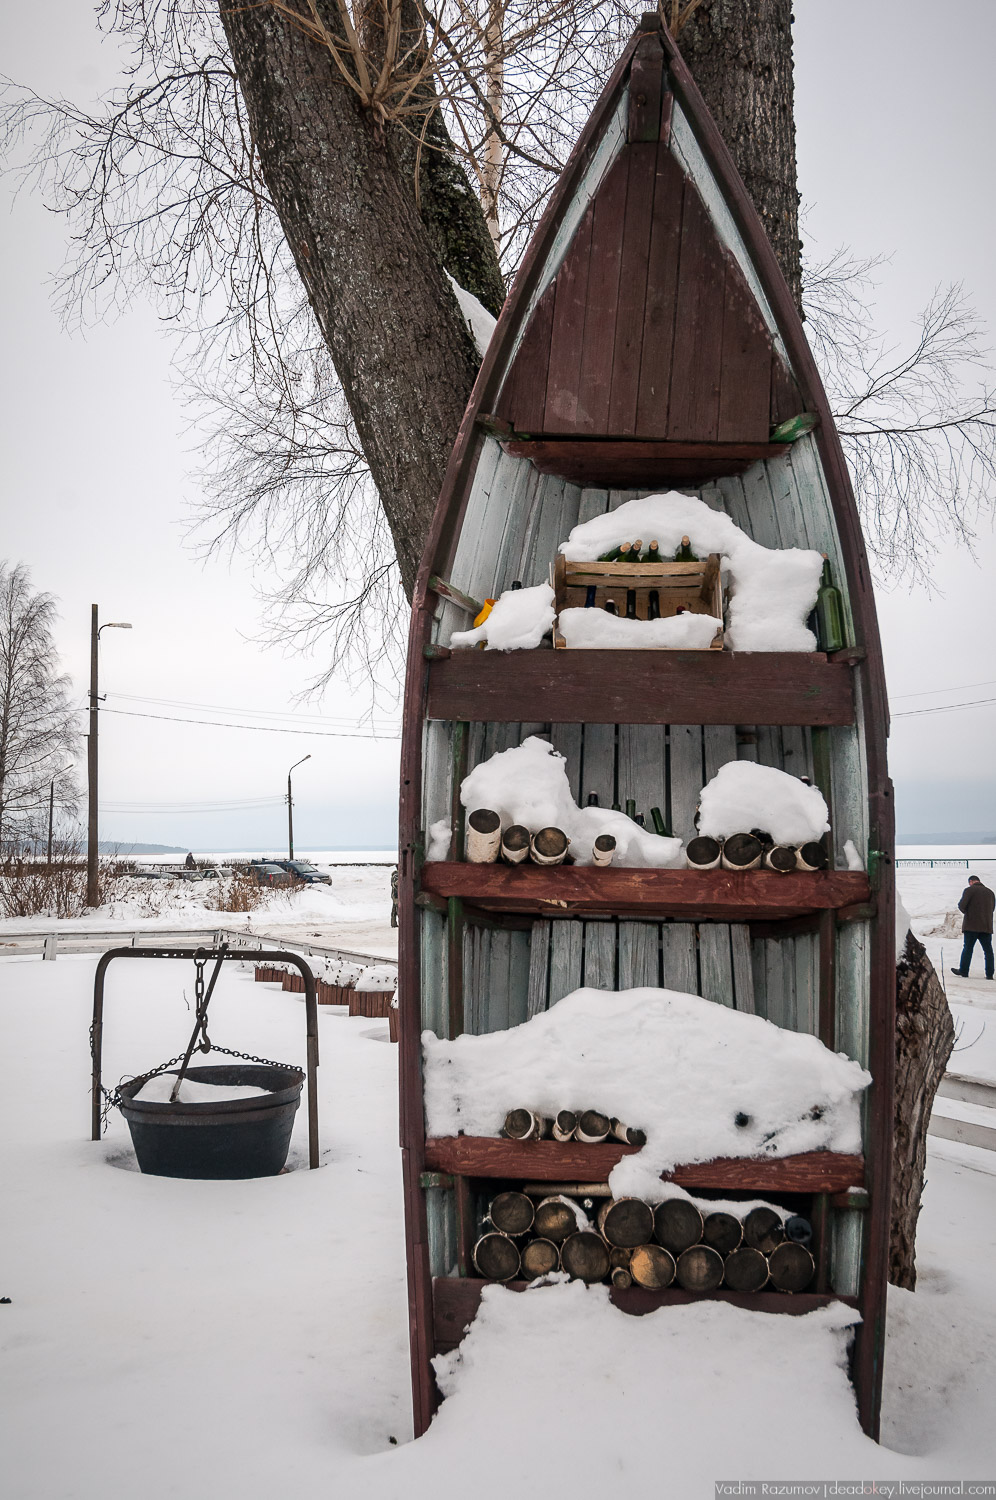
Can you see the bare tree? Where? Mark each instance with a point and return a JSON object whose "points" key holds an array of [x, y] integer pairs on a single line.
{"points": [[38, 730]]}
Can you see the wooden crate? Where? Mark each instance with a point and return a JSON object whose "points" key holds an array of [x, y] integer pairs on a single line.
{"points": [[695, 586]]}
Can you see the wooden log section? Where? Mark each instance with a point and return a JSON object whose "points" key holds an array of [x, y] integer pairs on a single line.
{"points": [[515, 844], [497, 1257], [780, 857], [811, 857], [791, 1267], [621, 1277], [724, 895], [483, 836], [703, 853], [723, 1232], [523, 1125], [550, 1161], [602, 850], [741, 851], [549, 846], [641, 687], [592, 1128], [699, 1269], [564, 1125], [584, 1255], [677, 1224], [512, 1213], [626, 1222], [556, 1219], [652, 1267], [745, 1270], [629, 1135], [763, 1229], [540, 1258]]}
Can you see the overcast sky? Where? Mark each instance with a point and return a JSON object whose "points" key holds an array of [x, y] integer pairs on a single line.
{"points": [[895, 117]]}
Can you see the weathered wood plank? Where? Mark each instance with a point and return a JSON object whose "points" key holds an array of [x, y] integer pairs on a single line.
{"points": [[642, 687], [745, 369], [600, 955], [646, 87], [662, 292], [679, 962], [566, 948], [561, 411], [708, 893], [630, 327], [551, 1161], [743, 971], [639, 955], [693, 409], [684, 777], [595, 375], [523, 397], [716, 963], [539, 969]]}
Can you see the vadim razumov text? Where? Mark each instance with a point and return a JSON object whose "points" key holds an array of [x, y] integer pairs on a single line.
{"points": [[837, 1489]]}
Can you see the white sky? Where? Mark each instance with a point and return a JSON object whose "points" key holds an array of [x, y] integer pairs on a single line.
{"points": [[894, 117]]}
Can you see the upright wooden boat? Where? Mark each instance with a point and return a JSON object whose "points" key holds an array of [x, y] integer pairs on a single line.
{"points": [[649, 342]]}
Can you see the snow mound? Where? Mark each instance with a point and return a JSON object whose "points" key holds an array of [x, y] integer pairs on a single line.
{"points": [[528, 784], [158, 1090], [771, 591], [687, 1362], [440, 839], [594, 628], [377, 977], [683, 1069], [518, 622], [743, 795], [480, 322]]}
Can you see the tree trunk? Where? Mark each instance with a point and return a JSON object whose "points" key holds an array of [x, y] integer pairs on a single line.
{"points": [[740, 55], [924, 1040], [368, 261]]}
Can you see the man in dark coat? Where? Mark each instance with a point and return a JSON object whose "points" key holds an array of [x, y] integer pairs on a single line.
{"points": [[976, 904]]}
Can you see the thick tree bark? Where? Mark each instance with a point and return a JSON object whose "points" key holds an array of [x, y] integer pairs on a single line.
{"points": [[370, 265], [740, 54], [924, 1039]]}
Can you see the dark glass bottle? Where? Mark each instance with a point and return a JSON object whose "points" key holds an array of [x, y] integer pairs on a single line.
{"points": [[635, 550], [829, 612], [631, 604], [592, 799], [589, 596], [653, 552], [610, 607], [631, 808], [653, 605], [516, 583], [611, 556], [657, 818], [684, 552]]}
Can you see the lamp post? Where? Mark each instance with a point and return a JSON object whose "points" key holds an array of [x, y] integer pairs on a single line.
{"points": [[91, 756], [290, 807], [51, 808]]}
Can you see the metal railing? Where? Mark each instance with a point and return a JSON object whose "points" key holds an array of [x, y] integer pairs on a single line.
{"points": [[50, 944]]}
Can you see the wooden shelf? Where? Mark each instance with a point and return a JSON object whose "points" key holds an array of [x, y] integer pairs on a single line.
{"points": [[553, 1161], [641, 687], [635, 463], [720, 895], [455, 1302]]}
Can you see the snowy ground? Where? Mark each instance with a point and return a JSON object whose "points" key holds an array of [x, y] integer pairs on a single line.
{"points": [[353, 912], [246, 1339]]}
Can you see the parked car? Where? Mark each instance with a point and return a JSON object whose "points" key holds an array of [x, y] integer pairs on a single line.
{"points": [[300, 869], [268, 874]]}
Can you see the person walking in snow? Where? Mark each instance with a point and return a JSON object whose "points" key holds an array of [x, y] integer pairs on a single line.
{"points": [[977, 904], [190, 863]]}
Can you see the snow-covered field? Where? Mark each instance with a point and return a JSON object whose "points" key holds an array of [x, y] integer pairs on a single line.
{"points": [[247, 1339]]}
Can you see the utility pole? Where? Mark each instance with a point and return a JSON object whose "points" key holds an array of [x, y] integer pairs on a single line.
{"points": [[290, 807], [91, 756]]}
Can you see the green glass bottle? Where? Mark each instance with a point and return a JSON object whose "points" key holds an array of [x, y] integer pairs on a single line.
{"points": [[635, 549], [684, 553], [611, 556], [592, 799], [660, 827], [653, 605], [653, 553], [829, 612], [631, 604], [610, 607], [631, 808]]}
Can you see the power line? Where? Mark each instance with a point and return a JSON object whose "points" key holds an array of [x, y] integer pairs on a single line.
{"points": [[946, 708], [340, 734], [257, 713], [961, 687]]}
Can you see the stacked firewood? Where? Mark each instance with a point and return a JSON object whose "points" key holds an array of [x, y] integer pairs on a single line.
{"points": [[752, 851], [590, 1127], [486, 843], [632, 1243]]}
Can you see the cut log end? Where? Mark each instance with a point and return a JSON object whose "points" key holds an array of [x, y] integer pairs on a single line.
{"points": [[723, 1232], [652, 1267], [626, 1222], [741, 851], [745, 1270], [497, 1257], [592, 1127], [540, 1258], [782, 858], [702, 853], [565, 1125], [483, 836], [811, 857], [555, 1220], [523, 1125], [699, 1269], [585, 1256], [549, 846], [791, 1267], [512, 1213], [763, 1229], [677, 1225], [515, 844]]}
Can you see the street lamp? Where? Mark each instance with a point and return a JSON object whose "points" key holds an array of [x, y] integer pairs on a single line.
{"points": [[290, 807], [91, 756], [51, 808]]}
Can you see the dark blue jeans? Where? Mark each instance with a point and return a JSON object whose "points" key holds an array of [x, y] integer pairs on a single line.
{"points": [[985, 942]]}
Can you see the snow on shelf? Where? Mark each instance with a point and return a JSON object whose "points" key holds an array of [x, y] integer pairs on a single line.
{"points": [[595, 629], [744, 795], [703, 1081]]}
